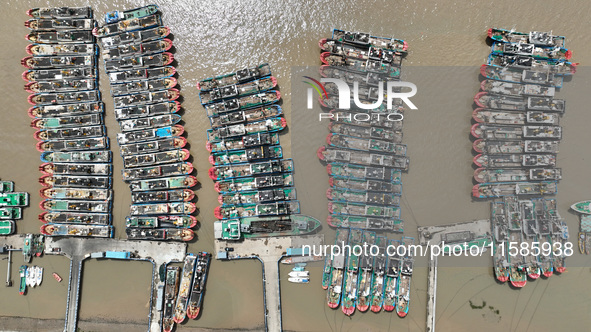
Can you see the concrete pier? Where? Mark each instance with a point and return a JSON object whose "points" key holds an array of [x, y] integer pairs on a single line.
{"points": [[9, 269]]}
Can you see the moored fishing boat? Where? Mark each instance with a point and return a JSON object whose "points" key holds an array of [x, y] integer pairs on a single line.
{"points": [[14, 199], [180, 311], [365, 185], [237, 90], [151, 159], [487, 147], [243, 103], [327, 269], [116, 16], [366, 274], [28, 247], [139, 62], [530, 63], [60, 37], [60, 12], [114, 56], [339, 261], [58, 205], [243, 75], [187, 181], [521, 76], [151, 172], [258, 196], [23, 282], [243, 142], [533, 37], [171, 289], [254, 210], [538, 52], [247, 131], [159, 234], [147, 85], [361, 158], [61, 49], [40, 99], [68, 121], [482, 115], [134, 37], [362, 144], [131, 75], [10, 213], [349, 296], [345, 170], [61, 85], [403, 287], [77, 181], [131, 24], [365, 132], [583, 207], [183, 208], [362, 39], [486, 190], [379, 275], [66, 133], [338, 48], [364, 66], [144, 135], [250, 115], [372, 223], [507, 175], [77, 157], [178, 221], [142, 111], [161, 145], [198, 288], [368, 197], [104, 231], [76, 193], [257, 227], [515, 160], [6, 227], [248, 155], [75, 217], [251, 169], [53, 62], [41, 75], [152, 122], [254, 183], [350, 77], [146, 97], [51, 111], [359, 209]]}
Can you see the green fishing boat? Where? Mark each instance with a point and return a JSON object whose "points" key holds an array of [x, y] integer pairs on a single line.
{"points": [[14, 199], [257, 227], [116, 16], [6, 186], [10, 213], [6, 227], [28, 247], [22, 271]]}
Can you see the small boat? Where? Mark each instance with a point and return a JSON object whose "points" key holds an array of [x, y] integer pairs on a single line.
{"points": [[362, 144], [134, 37], [6, 227], [243, 142], [198, 288], [66, 133], [57, 277], [345, 170], [247, 116], [68, 121], [142, 111], [57, 181], [52, 111], [521, 76], [147, 85], [144, 135], [64, 97], [243, 103], [183, 208], [361, 158], [61, 49], [114, 56], [237, 90], [178, 221], [360, 209], [249, 129], [60, 145], [80, 230], [57, 205], [508, 175], [131, 75], [487, 147], [53, 62], [177, 182], [38, 276], [365, 132], [23, 284], [251, 169], [60, 37], [403, 288], [171, 289], [131, 24], [258, 227], [365, 185], [151, 172], [161, 145], [482, 115], [371, 223], [59, 74], [247, 155], [6, 186], [332, 46], [77, 157], [75, 217], [363, 66], [583, 207], [146, 97], [254, 183], [514, 89], [362, 39], [241, 76], [530, 63], [369, 197], [257, 196], [491, 190], [350, 77], [116, 16], [180, 311], [14, 199], [60, 12], [255, 210], [299, 280], [139, 61], [76, 193], [533, 37], [537, 52], [10, 213]]}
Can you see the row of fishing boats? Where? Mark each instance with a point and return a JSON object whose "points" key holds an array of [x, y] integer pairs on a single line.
{"points": [[11, 205], [369, 281], [135, 50], [184, 290], [67, 113], [30, 276], [365, 159], [533, 224], [517, 120]]}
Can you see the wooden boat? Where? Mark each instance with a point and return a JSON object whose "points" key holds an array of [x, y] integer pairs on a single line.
{"points": [[116, 54], [177, 182], [98, 143], [183, 208], [79, 230], [248, 155], [349, 295], [128, 25], [61, 49], [116, 16], [134, 37], [254, 183], [350, 77], [61, 86], [76, 193], [533, 37], [237, 90], [351, 196], [175, 195], [68, 24], [64, 217], [583, 207], [251, 169], [344, 170], [60, 37], [514, 89], [243, 142], [198, 288], [257, 196], [161, 145], [64, 97], [142, 111], [139, 61], [529, 63], [491, 190], [254, 210], [170, 293], [178, 221], [365, 185], [160, 234], [241, 76], [515, 160], [59, 74], [60, 12], [362, 144], [8, 212], [151, 159], [140, 74], [66, 133], [336, 47], [361, 158], [363, 66], [54, 62], [77, 157], [521, 76], [144, 135], [366, 264], [185, 289], [76, 169], [243, 103], [247, 116], [365, 132], [242, 130], [483, 115], [538, 52], [52, 111], [147, 97], [157, 121], [151, 172], [362, 39], [546, 104], [359, 209], [76, 181], [508, 175], [148, 85], [511, 147]]}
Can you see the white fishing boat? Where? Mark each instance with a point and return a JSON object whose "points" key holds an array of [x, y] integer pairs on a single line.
{"points": [[299, 280]]}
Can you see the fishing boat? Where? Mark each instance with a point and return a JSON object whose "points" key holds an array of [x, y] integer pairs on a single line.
{"points": [[243, 103], [60, 37], [150, 122], [81, 230], [251, 169], [76, 193], [237, 90], [364, 282], [55, 205], [507, 175], [379, 275], [116, 16], [254, 183], [115, 56], [131, 75], [151, 159], [145, 97], [327, 269], [403, 287], [257, 196], [175, 195], [370, 223], [248, 155], [243, 142], [241, 76], [521, 76], [482, 115], [140, 61], [131, 24], [362, 39], [61, 145], [583, 207], [344, 170], [61, 86], [500, 235], [364, 66], [246, 116], [258, 227], [332, 46], [28, 247], [491, 190], [183, 208], [14, 199], [160, 234], [198, 288], [134, 37], [161, 145], [365, 132], [515, 160], [253, 210], [503, 102], [60, 12], [10, 213], [361, 158], [350, 77], [36, 75], [171, 289], [178, 221], [6, 227], [23, 275], [180, 311], [57, 181], [534, 37], [362, 144], [51, 111], [57, 277], [52, 62], [64, 217], [61, 49], [530, 63], [68, 121], [152, 172], [66, 133], [368, 197], [146, 85], [538, 52], [362, 118], [487, 147], [247, 131], [349, 296], [142, 111], [39, 246], [177, 182], [144, 135], [6, 186], [517, 276], [365, 185], [64, 97], [370, 96]]}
